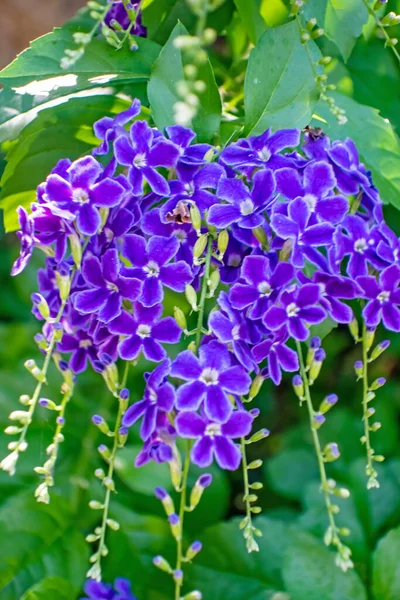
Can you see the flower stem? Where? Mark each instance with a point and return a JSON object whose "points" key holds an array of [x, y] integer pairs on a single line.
{"points": [[95, 571], [332, 535], [203, 294], [182, 508], [388, 40], [247, 524], [366, 439]]}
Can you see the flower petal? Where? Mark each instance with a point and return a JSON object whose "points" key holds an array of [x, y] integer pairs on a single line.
{"points": [[227, 454]]}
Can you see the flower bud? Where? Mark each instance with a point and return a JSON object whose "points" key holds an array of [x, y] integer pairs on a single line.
{"points": [[354, 330], [193, 550], [176, 526], [195, 595], [49, 404], [161, 563], [203, 482], [64, 285], [104, 452], [191, 296], [315, 343], [331, 452], [76, 249], [318, 420], [122, 436], [195, 217], [166, 500], [20, 415], [311, 23], [378, 383], [100, 423], [378, 457], [12, 430], [379, 349], [257, 485], [200, 245], [91, 538], [259, 435], [359, 368], [112, 524], [327, 403], [25, 399], [34, 370], [298, 386], [369, 337], [223, 240], [255, 387], [124, 398], [261, 236], [316, 364], [41, 304], [9, 463], [180, 318], [96, 505], [213, 282], [375, 426], [255, 464], [42, 493], [177, 575]]}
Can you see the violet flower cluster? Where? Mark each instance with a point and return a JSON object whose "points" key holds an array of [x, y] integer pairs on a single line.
{"points": [[284, 230]]}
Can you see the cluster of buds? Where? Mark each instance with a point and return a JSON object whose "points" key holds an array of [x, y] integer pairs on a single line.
{"points": [[119, 436], [175, 522], [311, 31]]}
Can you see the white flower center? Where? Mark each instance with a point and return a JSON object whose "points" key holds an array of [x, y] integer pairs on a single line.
{"points": [[246, 207], [264, 154], [264, 288], [180, 235], [143, 331], [112, 287], [152, 269], [212, 430], [292, 310], [80, 196], [85, 343], [140, 160], [235, 332], [152, 396], [311, 201], [383, 297], [360, 245], [209, 376], [234, 260], [189, 188]]}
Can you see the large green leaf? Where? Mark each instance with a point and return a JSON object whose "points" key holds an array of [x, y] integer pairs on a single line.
{"points": [[64, 131], [35, 543], [161, 16], [49, 589], [280, 89], [376, 141], [162, 91], [386, 568], [310, 573], [289, 472]]}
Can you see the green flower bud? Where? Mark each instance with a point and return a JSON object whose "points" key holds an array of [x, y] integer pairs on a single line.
{"points": [[223, 240], [191, 296], [200, 245], [195, 217]]}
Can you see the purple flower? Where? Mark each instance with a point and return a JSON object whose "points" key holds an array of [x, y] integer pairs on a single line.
{"points": [[160, 446], [359, 243], [261, 151], [83, 192], [210, 379], [280, 356], [118, 13], [233, 258], [384, 298], [107, 128], [96, 590], [107, 287], [142, 153], [315, 185], [159, 395], [262, 285], [27, 240], [303, 235], [214, 439], [334, 288], [189, 155], [150, 266], [144, 331], [243, 208], [81, 344], [298, 309]]}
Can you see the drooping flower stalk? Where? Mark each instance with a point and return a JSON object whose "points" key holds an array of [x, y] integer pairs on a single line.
{"points": [[328, 486], [119, 438], [249, 530], [47, 470], [389, 20]]}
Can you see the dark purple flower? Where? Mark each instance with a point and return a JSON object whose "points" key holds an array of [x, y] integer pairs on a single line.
{"points": [[190, 155], [160, 446], [233, 258], [389, 247], [297, 309], [142, 152], [262, 284], [384, 298], [150, 265], [159, 396], [96, 590], [261, 151], [244, 207], [360, 244], [107, 128], [81, 344], [83, 192], [334, 289], [303, 235], [27, 240], [214, 439], [210, 379], [107, 287], [315, 185], [119, 14], [280, 356], [143, 331]]}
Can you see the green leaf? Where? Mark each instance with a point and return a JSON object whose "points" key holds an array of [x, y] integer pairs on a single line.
{"points": [[386, 567], [376, 141], [342, 21], [310, 573], [49, 589], [38, 79], [63, 131], [279, 89], [289, 472], [161, 16], [250, 14], [162, 92], [36, 542]]}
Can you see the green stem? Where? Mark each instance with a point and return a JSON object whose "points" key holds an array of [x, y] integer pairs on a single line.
{"points": [[382, 28], [366, 439], [332, 536], [203, 294], [248, 528], [95, 571], [179, 550]]}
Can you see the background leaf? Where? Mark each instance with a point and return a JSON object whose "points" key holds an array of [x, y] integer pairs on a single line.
{"points": [[279, 88], [49, 589], [386, 567]]}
